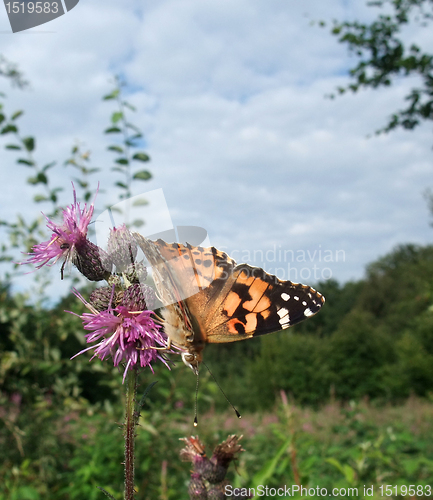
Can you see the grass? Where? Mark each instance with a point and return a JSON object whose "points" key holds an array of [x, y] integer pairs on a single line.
{"points": [[350, 445]]}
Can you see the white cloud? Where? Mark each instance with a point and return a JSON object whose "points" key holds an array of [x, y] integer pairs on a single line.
{"points": [[231, 98]]}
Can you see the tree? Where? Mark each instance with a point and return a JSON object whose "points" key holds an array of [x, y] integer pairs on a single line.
{"points": [[383, 57]]}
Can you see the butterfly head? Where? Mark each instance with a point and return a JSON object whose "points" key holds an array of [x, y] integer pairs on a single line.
{"points": [[192, 360]]}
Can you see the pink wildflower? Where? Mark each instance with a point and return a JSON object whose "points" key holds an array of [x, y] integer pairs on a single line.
{"points": [[66, 236], [131, 337]]}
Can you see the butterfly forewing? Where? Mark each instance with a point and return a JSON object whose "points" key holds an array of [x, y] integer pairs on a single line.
{"points": [[257, 303], [191, 268]]}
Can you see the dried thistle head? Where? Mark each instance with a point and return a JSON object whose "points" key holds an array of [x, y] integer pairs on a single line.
{"points": [[227, 451], [193, 448], [209, 472]]}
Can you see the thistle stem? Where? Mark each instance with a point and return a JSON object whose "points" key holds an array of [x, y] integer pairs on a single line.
{"points": [[129, 433]]}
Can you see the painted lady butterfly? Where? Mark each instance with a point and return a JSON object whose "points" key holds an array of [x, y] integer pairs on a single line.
{"points": [[207, 297]]}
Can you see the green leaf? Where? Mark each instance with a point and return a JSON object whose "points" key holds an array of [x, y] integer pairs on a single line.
{"points": [[48, 166], [116, 116], [262, 476], [143, 398], [12, 146], [27, 493], [23, 161], [141, 157], [8, 128], [133, 127], [118, 169], [122, 185], [138, 223], [130, 106], [106, 493], [29, 143], [39, 197], [82, 184], [16, 115], [122, 161], [139, 202], [113, 95], [41, 178], [112, 130], [346, 470], [118, 149], [142, 175], [2, 117]]}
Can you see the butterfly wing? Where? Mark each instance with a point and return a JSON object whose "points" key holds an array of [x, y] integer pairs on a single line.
{"points": [[209, 299], [256, 303]]}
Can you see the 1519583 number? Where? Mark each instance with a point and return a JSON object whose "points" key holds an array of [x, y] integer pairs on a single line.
{"points": [[32, 7], [411, 490]]}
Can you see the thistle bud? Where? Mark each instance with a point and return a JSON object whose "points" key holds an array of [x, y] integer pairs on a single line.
{"points": [[115, 280], [136, 272], [100, 298], [91, 261], [213, 472], [122, 247], [139, 297], [216, 492], [197, 488]]}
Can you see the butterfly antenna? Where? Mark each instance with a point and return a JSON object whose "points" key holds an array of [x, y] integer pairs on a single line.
{"points": [[196, 398], [223, 393]]}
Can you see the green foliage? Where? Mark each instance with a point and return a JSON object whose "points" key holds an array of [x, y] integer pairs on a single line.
{"points": [[286, 362], [130, 138], [334, 447], [355, 355], [372, 338], [383, 57], [22, 234]]}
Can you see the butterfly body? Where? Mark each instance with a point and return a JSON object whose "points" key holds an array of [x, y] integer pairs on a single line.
{"points": [[208, 298]]}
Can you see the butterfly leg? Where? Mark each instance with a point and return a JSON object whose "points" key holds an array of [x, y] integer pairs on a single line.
{"points": [[151, 347], [166, 348]]}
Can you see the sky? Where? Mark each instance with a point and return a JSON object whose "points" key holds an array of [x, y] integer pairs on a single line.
{"points": [[231, 97]]}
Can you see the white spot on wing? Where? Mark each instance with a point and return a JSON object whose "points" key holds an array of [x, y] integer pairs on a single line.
{"points": [[282, 312], [308, 312], [285, 296]]}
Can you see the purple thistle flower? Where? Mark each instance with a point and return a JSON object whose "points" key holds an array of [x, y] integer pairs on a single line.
{"points": [[131, 337], [65, 238]]}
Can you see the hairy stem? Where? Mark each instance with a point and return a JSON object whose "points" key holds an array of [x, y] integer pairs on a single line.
{"points": [[129, 434]]}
